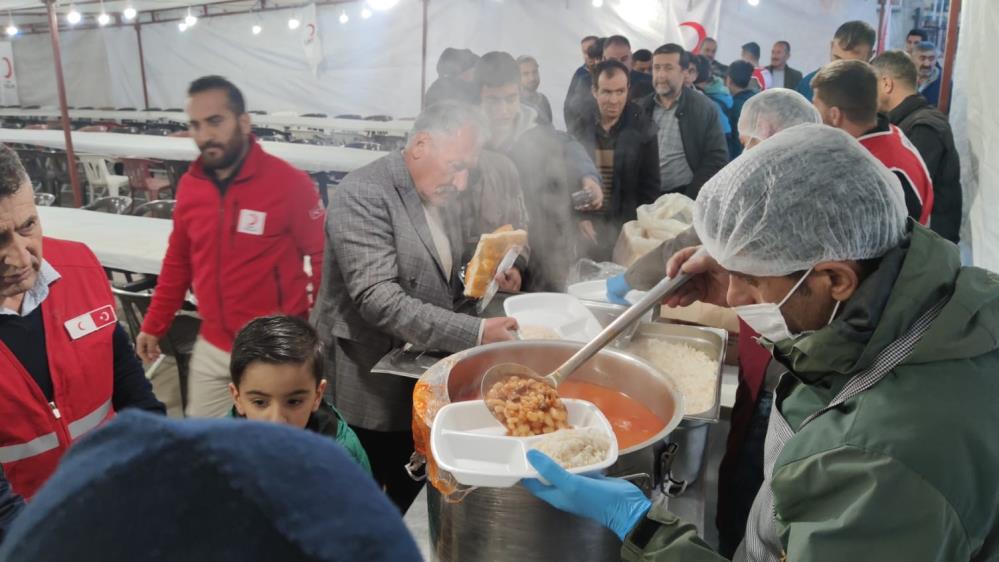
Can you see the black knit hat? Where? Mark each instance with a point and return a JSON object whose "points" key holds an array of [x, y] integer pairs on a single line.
{"points": [[455, 61]]}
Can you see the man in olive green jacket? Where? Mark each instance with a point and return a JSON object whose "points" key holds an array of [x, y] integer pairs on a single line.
{"points": [[808, 242]]}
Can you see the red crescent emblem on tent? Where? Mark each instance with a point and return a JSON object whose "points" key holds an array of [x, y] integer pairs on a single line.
{"points": [[701, 34], [312, 30], [10, 68]]}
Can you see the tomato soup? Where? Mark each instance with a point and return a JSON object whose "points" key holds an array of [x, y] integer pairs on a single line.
{"points": [[633, 422]]}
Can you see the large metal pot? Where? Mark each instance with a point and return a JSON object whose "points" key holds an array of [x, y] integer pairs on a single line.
{"points": [[498, 524]]}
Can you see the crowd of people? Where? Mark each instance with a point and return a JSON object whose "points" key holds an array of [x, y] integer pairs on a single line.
{"points": [[828, 205]]}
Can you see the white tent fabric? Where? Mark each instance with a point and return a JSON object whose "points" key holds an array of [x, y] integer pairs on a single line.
{"points": [[807, 25], [373, 65], [975, 119]]}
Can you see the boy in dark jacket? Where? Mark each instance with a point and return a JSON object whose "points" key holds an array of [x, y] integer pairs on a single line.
{"points": [[276, 370]]}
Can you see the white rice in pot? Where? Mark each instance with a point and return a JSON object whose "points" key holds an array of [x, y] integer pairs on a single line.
{"points": [[694, 373]]}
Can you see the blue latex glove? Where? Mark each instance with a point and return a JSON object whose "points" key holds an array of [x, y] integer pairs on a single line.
{"points": [[614, 503], [617, 288]]}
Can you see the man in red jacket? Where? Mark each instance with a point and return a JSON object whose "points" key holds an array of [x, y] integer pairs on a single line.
{"points": [[243, 223], [846, 95], [66, 366]]}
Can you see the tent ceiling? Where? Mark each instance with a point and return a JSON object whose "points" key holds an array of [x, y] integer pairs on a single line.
{"points": [[33, 12], [85, 6]]}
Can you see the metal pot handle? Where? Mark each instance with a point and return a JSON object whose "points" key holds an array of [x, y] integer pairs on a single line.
{"points": [[670, 486], [416, 467], [642, 480]]}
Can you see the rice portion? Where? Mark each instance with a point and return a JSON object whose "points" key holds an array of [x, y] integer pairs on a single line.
{"points": [[694, 373], [532, 332], [573, 448]]}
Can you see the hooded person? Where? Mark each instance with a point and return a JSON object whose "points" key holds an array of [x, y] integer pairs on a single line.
{"points": [[149, 488], [454, 78], [880, 444]]}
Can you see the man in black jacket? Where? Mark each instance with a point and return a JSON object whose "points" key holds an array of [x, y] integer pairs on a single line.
{"points": [[582, 79], [782, 74], [929, 131], [623, 144], [617, 48], [691, 142]]}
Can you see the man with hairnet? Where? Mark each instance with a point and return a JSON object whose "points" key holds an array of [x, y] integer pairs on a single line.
{"points": [[880, 445], [740, 474]]}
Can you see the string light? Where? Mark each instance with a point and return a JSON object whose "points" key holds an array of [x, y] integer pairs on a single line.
{"points": [[598, 3], [103, 19], [12, 29], [344, 18], [190, 20], [294, 23], [365, 13], [256, 29], [182, 27], [73, 17], [129, 13]]}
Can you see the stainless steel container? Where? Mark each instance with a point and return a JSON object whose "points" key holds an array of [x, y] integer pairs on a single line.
{"points": [[500, 524], [691, 437]]}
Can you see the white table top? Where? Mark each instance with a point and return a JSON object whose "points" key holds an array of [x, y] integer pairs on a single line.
{"points": [[136, 244], [308, 157], [391, 128]]}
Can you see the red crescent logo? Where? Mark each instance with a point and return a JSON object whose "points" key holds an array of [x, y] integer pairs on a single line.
{"points": [[10, 68], [701, 34], [312, 30], [79, 326]]}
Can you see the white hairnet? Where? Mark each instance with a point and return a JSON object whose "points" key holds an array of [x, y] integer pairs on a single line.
{"points": [[807, 195], [771, 111]]}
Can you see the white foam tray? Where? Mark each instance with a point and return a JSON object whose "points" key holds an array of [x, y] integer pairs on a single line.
{"points": [[467, 441], [564, 314]]}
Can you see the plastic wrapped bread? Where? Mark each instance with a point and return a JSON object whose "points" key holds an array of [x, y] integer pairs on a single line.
{"points": [[488, 254]]}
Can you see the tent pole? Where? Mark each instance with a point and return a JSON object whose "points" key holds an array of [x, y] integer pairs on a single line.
{"points": [[74, 179], [142, 64], [423, 63], [883, 25], [948, 70]]}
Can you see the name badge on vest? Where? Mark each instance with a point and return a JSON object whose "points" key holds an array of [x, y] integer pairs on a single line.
{"points": [[91, 322], [251, 222]]}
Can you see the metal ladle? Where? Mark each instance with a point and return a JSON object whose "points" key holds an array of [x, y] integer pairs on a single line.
{"points": [[502, 371]]}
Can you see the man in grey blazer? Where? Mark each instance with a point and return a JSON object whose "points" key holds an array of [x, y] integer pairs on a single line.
{"points": [[391, 277]]}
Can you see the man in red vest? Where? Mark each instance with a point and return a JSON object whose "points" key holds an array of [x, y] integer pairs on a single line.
{"points": [[244, 223], [846, 94], [66, 366]]}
